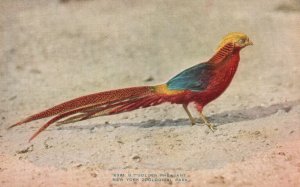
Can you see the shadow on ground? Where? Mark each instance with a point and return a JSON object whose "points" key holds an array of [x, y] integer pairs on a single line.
{"points": [[217, 119]]}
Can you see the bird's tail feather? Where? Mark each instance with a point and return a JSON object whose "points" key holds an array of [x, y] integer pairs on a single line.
{"points": [[99, 104], [149, 101]]}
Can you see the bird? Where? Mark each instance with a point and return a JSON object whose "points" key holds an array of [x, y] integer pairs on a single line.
{"points": [[199, 84]]}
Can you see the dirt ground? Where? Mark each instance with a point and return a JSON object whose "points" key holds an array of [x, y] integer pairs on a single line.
{"points": [[53, 51]]}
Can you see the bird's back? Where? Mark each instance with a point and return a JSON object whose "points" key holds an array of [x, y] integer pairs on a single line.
{"points": [[206, 81]]}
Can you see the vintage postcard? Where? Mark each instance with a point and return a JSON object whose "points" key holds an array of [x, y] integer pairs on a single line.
{"points": [[149, 93]]}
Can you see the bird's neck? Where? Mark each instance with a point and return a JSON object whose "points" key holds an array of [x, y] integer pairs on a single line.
{"points": [[228, 63], [223, 54]]}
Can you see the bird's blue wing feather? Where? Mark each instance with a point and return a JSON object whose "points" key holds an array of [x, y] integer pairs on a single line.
{"points": [[195, 78]]}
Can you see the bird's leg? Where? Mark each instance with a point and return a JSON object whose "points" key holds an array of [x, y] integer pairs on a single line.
{"points": [[209, 125], [189, 114], [199, 107]]}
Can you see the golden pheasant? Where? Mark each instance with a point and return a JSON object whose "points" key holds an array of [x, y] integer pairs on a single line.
{"points": [[199, 84]]}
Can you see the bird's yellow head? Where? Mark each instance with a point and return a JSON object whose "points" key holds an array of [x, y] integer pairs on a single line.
{"points": [[238, 39]]}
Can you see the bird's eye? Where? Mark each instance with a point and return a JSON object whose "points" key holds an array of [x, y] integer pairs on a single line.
{"points": [[242, 41]]}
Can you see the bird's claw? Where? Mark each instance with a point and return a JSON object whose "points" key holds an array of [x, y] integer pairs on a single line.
{"points": [[212, 127]]}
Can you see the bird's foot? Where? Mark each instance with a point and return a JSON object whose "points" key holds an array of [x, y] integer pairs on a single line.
{"points": [[209, 125], [212, 127], [193, 121]]}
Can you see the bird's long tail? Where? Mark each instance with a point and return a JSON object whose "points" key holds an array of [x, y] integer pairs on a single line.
{"points": [[98, 104]]}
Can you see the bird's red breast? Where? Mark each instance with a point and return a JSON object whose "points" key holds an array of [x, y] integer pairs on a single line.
{"points": [[206, 81]]}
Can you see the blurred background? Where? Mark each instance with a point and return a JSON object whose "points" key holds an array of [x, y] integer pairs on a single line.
{"points": [[61, 49]]}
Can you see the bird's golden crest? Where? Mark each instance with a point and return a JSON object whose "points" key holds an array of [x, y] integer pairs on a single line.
{"points": [[237, 38]]}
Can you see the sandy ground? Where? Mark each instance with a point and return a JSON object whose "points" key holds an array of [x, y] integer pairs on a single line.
{"points": [[53, 51]]}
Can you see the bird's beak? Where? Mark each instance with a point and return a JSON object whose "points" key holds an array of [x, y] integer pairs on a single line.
{"points": [[249, 42]]}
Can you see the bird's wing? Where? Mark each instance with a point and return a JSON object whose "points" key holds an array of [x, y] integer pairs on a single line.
{"points": [[195, 78], [198, 77]]}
